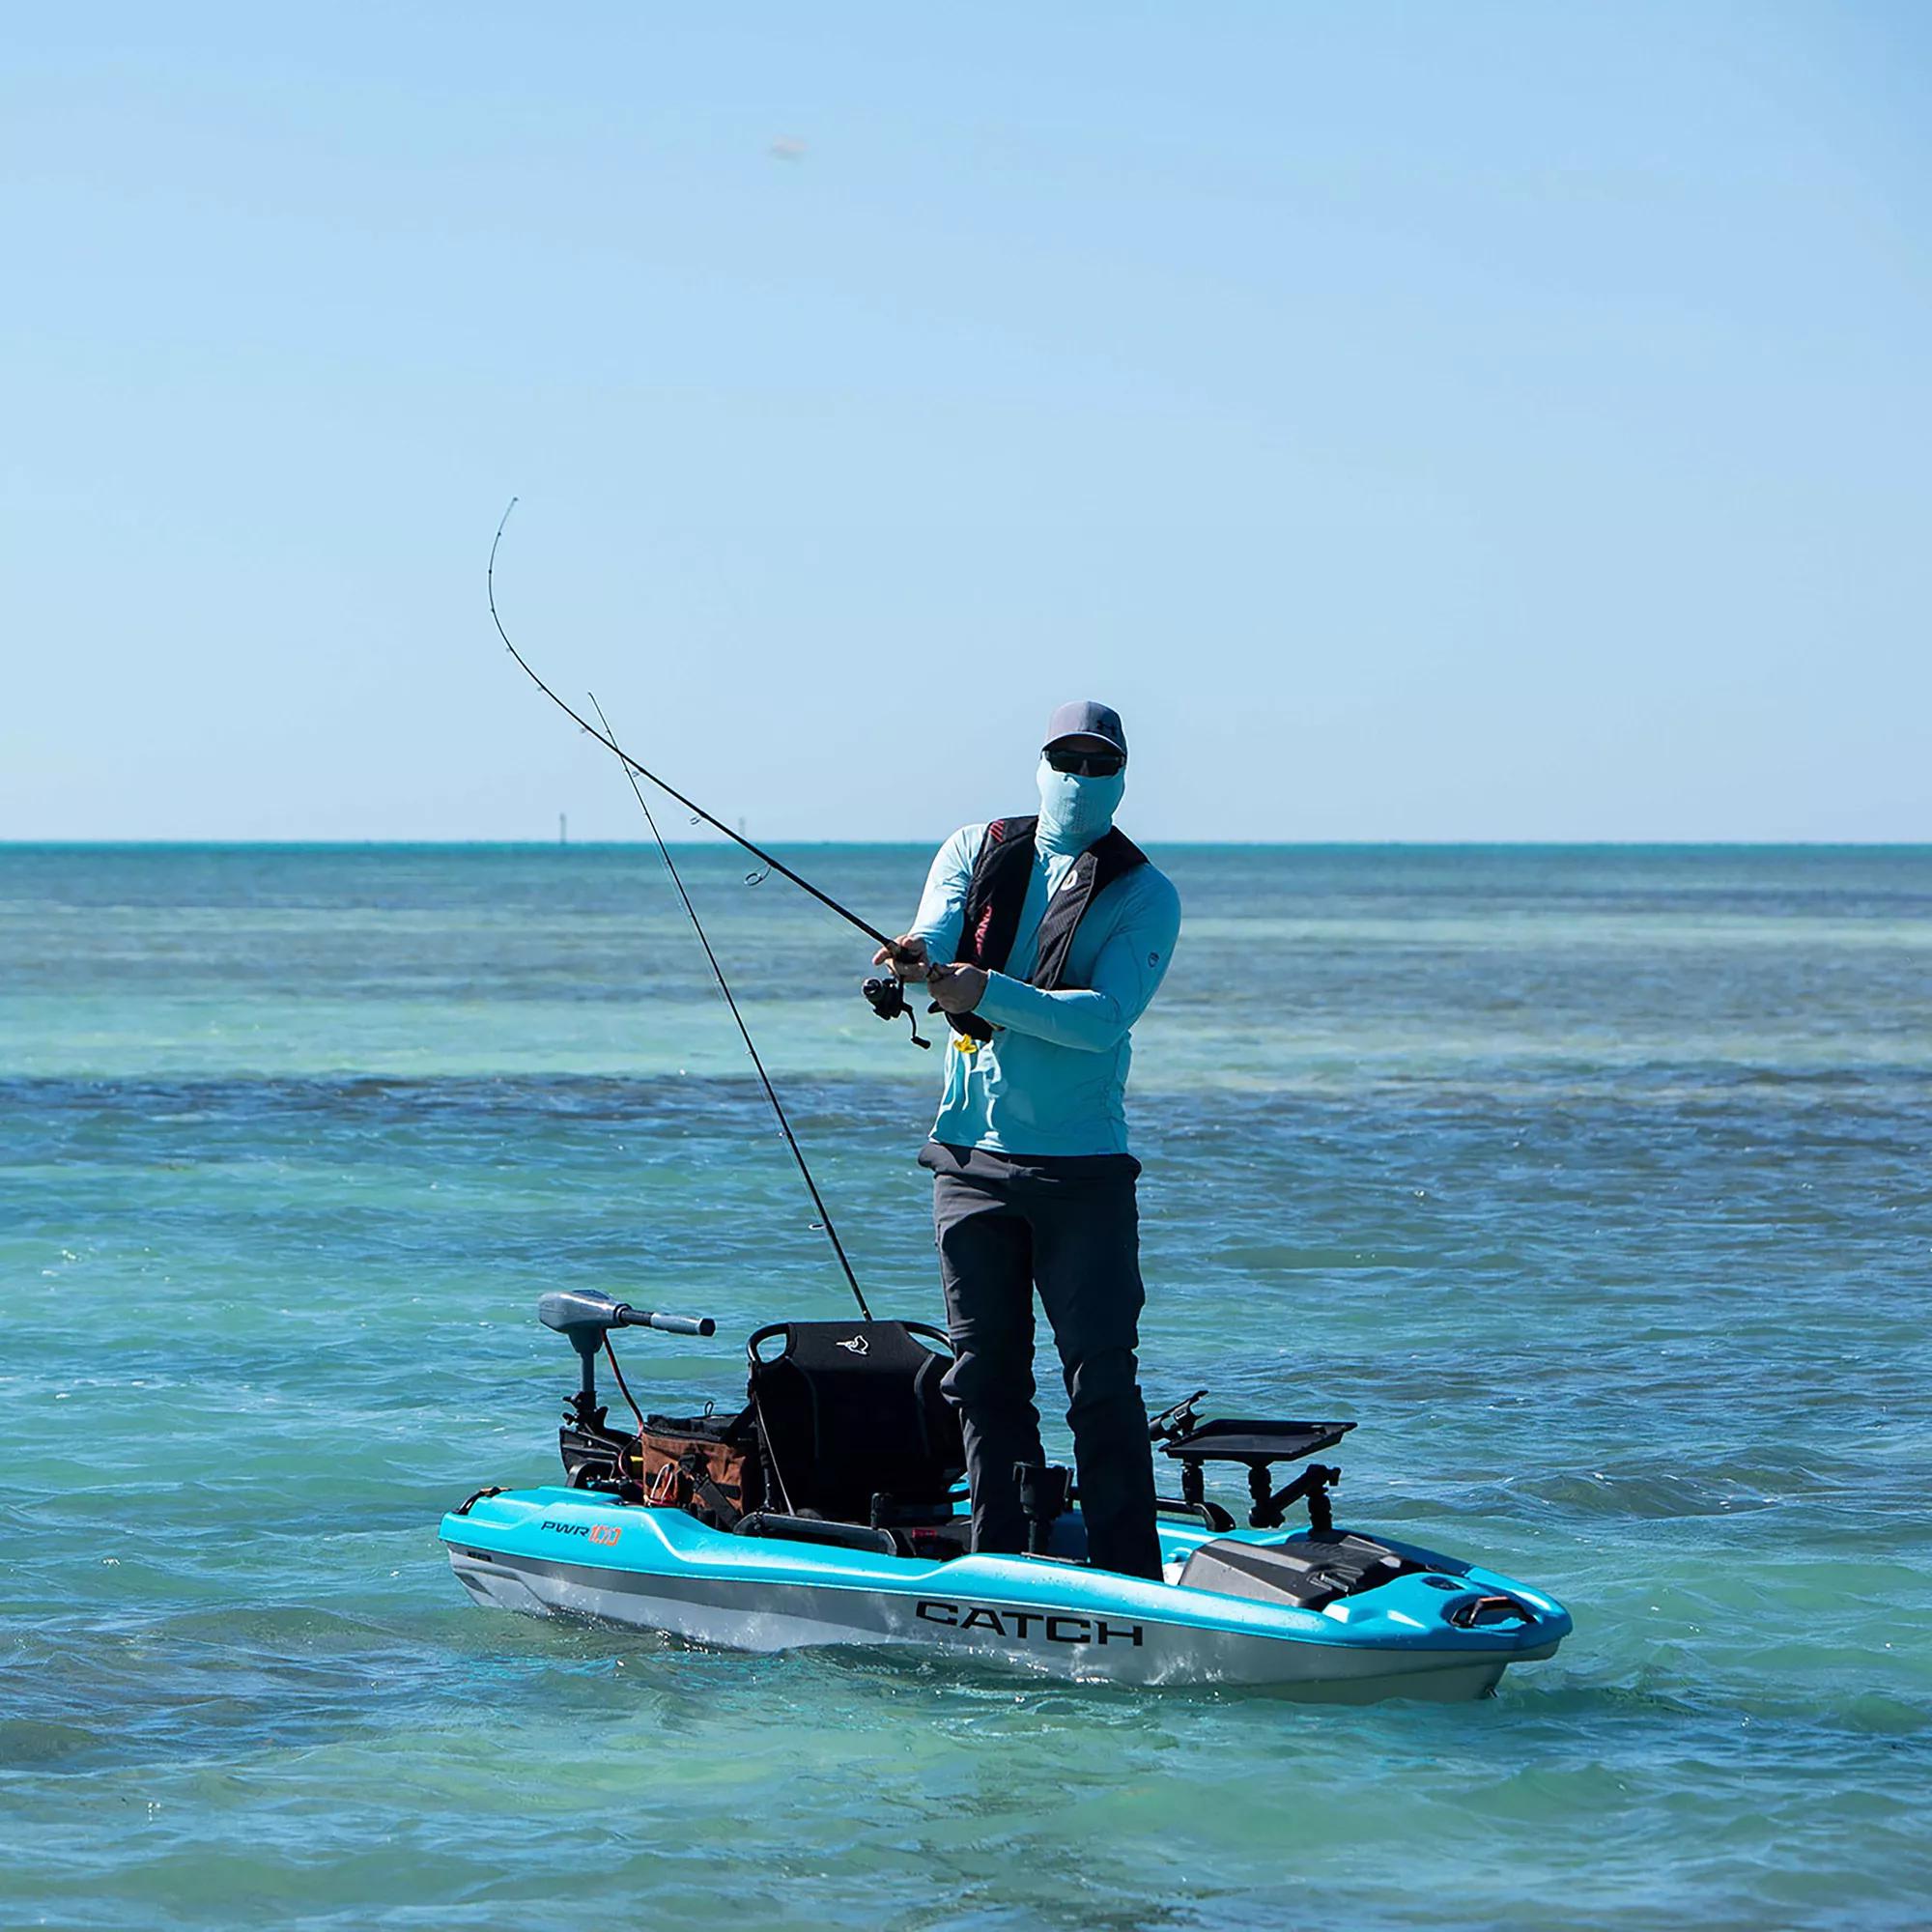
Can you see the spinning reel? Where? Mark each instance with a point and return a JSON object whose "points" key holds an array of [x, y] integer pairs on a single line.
{"points": [[886, 996]]}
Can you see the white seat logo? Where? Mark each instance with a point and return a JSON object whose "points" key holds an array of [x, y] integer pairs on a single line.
{"points": [[857, 1345]]}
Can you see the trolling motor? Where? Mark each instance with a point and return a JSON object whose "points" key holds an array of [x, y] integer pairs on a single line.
{"points": [[887, 998], [584, 1320]]}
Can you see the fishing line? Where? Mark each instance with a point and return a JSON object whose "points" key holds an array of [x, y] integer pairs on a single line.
{"points": [[724, 986], [637, 770]]}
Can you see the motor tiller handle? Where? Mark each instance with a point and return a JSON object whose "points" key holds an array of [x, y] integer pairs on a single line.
{"points": [[671, 1324]]}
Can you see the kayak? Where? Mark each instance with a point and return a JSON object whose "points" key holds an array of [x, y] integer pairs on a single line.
{"points": [[1323, 1613]]}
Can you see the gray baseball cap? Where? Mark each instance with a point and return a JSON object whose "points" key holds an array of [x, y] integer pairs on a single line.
{"points": [[1085, 717]]}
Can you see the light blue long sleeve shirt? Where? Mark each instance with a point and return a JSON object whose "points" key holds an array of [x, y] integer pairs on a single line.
{"points": [[1053, 1078]]}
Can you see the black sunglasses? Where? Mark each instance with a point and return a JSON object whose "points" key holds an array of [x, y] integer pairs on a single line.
{"points": [[1086, 764]]}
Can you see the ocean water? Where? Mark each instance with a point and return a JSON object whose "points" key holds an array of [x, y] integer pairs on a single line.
{"points": [[1594, 1183]]}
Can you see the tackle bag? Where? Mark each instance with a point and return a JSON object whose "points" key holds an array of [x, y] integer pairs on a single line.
{"points": [[705, 1464]]}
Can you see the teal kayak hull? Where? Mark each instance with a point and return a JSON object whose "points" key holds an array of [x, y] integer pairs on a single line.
{"points": [[556, 1552]]}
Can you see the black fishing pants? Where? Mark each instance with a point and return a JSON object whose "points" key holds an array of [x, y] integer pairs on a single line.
{"points": [[1068, 1225]]}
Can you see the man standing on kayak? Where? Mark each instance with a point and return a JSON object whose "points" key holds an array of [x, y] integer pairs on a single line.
{"points": [[1042, 939]]}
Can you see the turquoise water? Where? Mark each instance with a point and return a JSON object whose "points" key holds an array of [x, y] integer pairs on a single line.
{"points": [[1594, 1182]]}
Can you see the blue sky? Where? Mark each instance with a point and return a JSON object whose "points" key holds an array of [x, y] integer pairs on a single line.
{"points": [[1422, 421]]}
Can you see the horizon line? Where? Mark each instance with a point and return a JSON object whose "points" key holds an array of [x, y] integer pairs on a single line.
{"points": [[7, 843]]}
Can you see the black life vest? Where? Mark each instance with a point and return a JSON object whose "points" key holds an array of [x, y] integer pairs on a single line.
{"points": [[997, 896]]}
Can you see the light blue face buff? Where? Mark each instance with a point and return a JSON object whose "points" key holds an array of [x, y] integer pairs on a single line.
{"points": [[1075, 810]]}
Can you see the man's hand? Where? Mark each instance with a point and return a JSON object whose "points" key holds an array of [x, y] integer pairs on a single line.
{"points": [[957, 989], [906, 955]]}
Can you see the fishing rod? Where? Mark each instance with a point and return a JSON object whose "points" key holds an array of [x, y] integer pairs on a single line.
{"points": [[745, 1032], [637, 770]]}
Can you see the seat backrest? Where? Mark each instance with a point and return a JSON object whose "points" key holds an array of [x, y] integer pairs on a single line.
{"points": [[853, 1409]]}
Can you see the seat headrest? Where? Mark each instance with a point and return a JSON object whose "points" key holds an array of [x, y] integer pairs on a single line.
{"points": [[851, 1348]]}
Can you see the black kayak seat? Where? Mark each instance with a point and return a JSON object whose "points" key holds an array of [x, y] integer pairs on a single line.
{"points": [[851, 1412]]}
